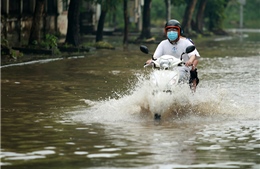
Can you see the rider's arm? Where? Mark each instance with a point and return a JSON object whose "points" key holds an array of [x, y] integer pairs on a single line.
{"points": [[195, 63], [191, 61], [158, 52]]}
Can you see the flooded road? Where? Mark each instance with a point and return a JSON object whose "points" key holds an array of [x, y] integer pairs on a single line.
{"points": [[94, 111]]}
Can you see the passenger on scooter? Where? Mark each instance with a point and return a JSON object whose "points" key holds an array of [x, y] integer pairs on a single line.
{"points": [[176, 45]]}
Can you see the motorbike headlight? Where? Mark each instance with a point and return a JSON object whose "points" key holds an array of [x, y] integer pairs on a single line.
{"points": [[164, 64]]}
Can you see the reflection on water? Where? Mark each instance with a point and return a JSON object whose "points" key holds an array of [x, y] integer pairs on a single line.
{"points": [[96, 112]]}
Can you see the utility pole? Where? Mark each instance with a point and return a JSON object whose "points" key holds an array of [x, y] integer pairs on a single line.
{"points": [[169, 10], [242, 3]]}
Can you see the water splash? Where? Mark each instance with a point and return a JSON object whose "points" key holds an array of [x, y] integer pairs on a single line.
{"points": [[140, 103]]}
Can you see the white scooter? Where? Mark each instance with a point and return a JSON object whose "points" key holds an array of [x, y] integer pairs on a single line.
{"points": [[166, 75]]}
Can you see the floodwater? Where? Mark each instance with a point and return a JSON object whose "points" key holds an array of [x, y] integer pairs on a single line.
{"points": [[96, 111]]}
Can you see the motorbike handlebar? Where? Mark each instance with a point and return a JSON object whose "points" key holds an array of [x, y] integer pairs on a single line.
{"points": [[145, 65], [180, 64]]}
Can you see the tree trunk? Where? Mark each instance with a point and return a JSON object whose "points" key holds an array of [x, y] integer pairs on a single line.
{"points": [[216, 16], [72, 36], [101, 22], [35, 34], [146, 30], [186, 22], [125, 40], [200, 16]]}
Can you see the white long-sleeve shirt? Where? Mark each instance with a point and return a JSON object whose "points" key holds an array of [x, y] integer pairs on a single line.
{"points": [[176, 50]]}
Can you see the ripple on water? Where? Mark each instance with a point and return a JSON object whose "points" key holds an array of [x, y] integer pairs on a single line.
{"points": [[27, 156], [80, 152], [109, 149], [103, 155], [12, 156]]}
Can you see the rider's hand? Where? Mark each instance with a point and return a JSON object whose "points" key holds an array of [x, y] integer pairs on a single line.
{"points": [[188, 63], [148, 62]]}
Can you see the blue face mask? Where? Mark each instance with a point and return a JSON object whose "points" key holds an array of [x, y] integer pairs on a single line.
{"points": [[172, 35]]}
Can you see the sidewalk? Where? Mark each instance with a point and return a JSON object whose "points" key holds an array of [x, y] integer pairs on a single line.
{"points": [[237, 30]]}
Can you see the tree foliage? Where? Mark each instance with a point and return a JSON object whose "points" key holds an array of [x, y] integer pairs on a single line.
{"points": [[199, 22], [187, 17], [251, 14], [218, 15], [215, 11]]}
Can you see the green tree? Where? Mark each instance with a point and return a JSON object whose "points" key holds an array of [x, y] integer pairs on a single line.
{"points": [[251, 14], [215, 12], [187, 17], [200, 16]]}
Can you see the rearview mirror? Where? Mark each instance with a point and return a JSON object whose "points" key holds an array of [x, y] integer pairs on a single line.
{"points": [[144, 49], [190, 49]]}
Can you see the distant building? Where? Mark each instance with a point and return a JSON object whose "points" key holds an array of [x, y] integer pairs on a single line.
{"points": [[17, 16]]}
